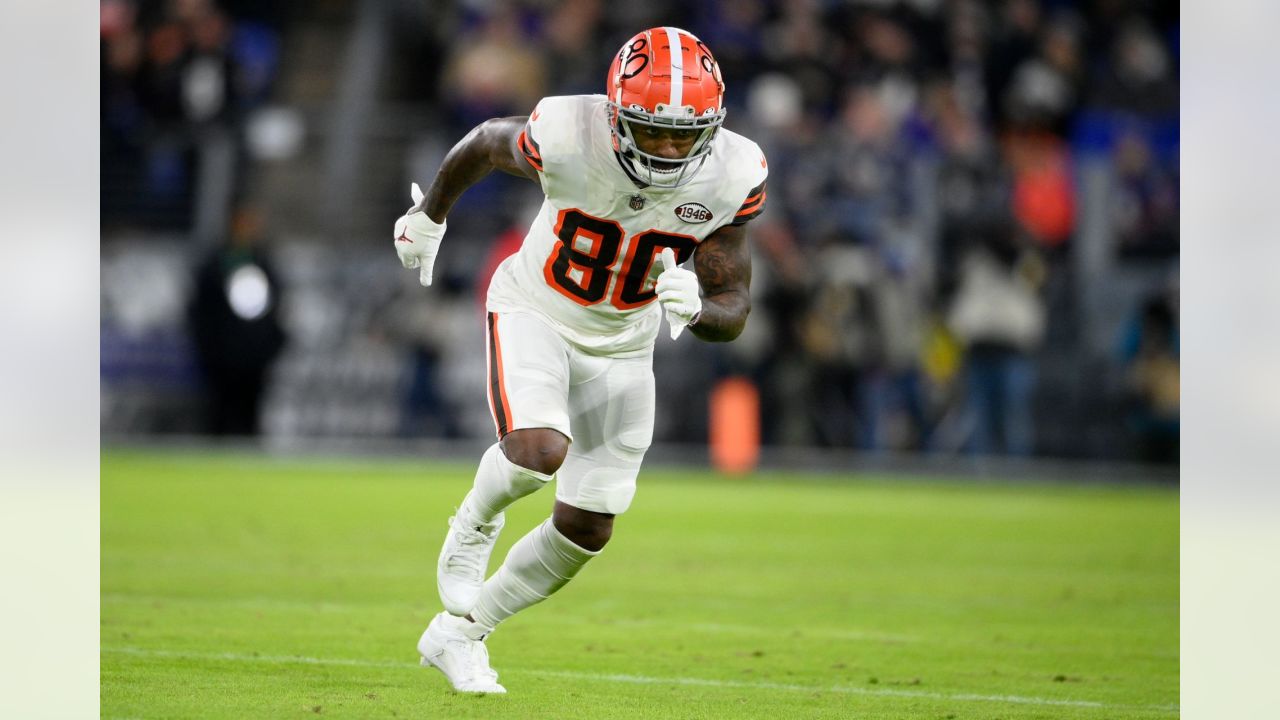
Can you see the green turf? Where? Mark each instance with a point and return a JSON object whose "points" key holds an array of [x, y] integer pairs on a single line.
{"points": [[244, 587]]}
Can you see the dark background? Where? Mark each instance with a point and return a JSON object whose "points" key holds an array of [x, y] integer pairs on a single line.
{"points": [[971, 244]]}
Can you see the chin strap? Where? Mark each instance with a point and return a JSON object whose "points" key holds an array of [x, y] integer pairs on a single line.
{"points": [[625, 164]]}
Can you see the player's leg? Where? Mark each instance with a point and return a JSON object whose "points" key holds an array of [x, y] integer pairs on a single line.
{"points": [[522, 462], [612, 422], [538, 564], [542, 562], [528, 392], [528, 387], [612, 429], [587, 529]]}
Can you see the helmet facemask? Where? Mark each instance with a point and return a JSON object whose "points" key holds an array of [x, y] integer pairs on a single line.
{"points": [[655, 170]]}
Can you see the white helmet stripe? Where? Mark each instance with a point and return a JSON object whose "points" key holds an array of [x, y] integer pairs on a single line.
{"points": [[677, 68]]}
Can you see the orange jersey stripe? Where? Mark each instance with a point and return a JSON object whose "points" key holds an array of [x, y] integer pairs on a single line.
{"points": [[498, 402], [529, 149], [752, 205], [530, 143]]}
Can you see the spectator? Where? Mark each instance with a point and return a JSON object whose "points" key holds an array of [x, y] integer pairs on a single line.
{"points": [[494, 73], [435, 340], [895, 402], [1139, 78], [840, 336], [572, 36], [1016, 27], [867, 183], [171, 71], [234, 321], [1144, 207], [208, 92], [1000, 319], [971, 183], [799, 46], [1045, 88], [1150, 353]]}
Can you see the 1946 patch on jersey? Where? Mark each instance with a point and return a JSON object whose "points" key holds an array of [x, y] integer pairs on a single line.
{"points": [[693, 213]]}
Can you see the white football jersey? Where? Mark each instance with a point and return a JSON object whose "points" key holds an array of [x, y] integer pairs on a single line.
{"points": [[590, 259]]}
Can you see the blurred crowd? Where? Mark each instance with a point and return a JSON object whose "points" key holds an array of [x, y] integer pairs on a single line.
{"points": [[174, 73], [914, 261], [914, 276]]}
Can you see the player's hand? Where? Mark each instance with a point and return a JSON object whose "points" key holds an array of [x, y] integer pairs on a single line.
{"points": [[418, 238], [677, 290]]}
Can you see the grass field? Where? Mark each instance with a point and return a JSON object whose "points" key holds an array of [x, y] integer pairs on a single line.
{"points": [[246, 587]]}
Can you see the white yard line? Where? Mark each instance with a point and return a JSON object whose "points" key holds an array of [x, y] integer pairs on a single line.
{"points": [[648, 680]]}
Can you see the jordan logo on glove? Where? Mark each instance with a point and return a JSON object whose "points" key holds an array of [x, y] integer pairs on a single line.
{"points": [[418, 238]]}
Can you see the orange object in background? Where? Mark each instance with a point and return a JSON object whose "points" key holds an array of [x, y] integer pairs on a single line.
{"points": [[735, 425], [1043, 189]]}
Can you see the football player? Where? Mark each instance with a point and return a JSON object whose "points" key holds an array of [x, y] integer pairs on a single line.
{"points": [[637, 182]]}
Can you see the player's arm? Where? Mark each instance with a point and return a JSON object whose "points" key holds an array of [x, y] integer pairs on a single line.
{"points": [[493, 144], [722, 263], [499, 143]]}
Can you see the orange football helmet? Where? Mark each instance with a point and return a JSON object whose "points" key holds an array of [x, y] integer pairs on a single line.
{"points": [[664, 77]]}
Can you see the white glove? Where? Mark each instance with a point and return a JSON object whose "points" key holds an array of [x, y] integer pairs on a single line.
{"points": [[677, 290], [418, 238]]}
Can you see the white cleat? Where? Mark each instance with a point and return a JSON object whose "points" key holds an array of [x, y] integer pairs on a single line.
{"points": [[446, 645], [464, 560]]}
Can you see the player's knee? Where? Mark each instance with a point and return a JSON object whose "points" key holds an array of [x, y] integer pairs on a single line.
{"points": [[538, 449], [586, 529]]}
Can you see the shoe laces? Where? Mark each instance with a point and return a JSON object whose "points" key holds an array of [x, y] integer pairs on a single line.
{"points": [[471, 541], [480, 669]]}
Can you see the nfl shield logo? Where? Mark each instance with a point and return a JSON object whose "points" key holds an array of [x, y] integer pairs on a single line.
{"points": [[637, 202]]}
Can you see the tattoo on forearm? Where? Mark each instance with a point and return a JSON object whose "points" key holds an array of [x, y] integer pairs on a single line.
{"points": [[723, 264]]}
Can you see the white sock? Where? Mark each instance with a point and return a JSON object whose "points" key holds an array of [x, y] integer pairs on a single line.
{"points": [[539, 564], [499, 482]]}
